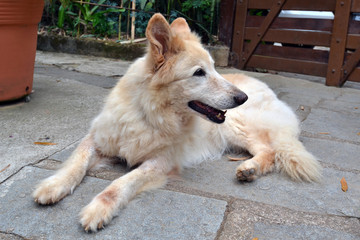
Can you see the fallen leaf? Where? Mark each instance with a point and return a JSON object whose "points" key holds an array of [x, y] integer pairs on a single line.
{"points": [[5, 168], [324, 133], [44, 143], [358, 133], [255, 239], [237, 159], [344, 186]]}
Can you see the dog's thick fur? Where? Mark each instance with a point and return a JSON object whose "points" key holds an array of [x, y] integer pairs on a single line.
{"points": [[150, 120]]}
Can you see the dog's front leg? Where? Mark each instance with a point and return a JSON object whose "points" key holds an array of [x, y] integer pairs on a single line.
{"points": [[149, 175], [64, 181]]}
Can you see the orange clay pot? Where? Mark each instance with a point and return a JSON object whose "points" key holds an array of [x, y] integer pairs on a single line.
{"points": [[18, 35]]}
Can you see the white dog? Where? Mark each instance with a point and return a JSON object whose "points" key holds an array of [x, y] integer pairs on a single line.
{"points": [[167, 112]]}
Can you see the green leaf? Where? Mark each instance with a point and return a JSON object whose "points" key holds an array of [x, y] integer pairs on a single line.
{"points": [[96, 7], [61, 17], [71, 13], [142, 4], [148, 6]]}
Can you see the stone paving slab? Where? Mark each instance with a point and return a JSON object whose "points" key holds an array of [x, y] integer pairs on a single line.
{"points": [[328, 151], [218, 177], [333, 124], [248, 220], [159, 214], [270, 232], [350, 106], [95, 80], [60, 111], [87, 64]]}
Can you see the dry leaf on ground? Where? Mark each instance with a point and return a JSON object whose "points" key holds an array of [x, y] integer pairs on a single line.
{"points": [[344, 185], [5, 168], [324, 133], [44, 143], [237, 159]]}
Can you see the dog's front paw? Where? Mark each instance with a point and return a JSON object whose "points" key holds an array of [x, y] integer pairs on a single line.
{"points": [[51, 190], [96, 215], [246, 171]]}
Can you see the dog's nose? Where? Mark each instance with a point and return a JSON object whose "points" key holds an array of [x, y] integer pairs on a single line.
{"points": [[240, 98]]}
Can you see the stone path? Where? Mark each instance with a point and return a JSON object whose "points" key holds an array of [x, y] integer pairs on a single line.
{"points": [[205, 202]]}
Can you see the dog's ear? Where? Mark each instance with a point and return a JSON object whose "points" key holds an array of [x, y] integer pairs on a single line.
{"points": [[159, 34], [180, 27]]}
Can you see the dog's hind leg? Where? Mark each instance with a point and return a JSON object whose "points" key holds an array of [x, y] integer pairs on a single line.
{"points": [[149, 175], [64, 181], [263, 160], [258, 144]]}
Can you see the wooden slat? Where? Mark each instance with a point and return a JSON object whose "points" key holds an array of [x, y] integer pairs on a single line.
{"points": [[355, 6], [288, 65], [310, 5], [226, 21], [338, 42], [354, 27], [238, 33], [355, 76], [295, 23], [261, 31], [293, 36], [350, 65], [303, 37], [353, 41], [292, 53]]}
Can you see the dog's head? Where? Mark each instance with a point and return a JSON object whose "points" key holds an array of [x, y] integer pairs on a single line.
{"points": [[185, 70]]}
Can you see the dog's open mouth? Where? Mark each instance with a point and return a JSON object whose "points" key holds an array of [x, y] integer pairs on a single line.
{"points": [[213, 114]]}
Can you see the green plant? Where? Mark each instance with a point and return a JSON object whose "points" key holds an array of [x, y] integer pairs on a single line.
{"points": [[87, 18], [92, 17], [65, 5], [202, 14]]}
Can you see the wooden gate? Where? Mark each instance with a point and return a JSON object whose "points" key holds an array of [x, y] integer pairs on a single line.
{"points": [[260, 38]]}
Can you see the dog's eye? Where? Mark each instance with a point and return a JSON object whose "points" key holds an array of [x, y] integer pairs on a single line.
{"points": [[199, 73]]}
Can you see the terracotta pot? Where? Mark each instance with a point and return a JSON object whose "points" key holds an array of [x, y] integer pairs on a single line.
{"points": [[18, 34]]}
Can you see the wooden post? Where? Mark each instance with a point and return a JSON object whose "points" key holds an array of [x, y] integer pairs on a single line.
{"points": [[237, 44], [338, 43], [226, 24]]}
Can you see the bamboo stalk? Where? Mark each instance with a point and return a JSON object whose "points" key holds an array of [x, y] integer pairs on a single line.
{"points": [[78, 28], [120, 14], [133, 20], [212, 16], [128, 22]]}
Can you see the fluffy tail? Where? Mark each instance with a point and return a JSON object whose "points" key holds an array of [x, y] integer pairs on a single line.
{"points": [[292, 158]]}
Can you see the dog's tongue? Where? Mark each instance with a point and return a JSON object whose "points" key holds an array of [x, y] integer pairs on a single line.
{"points": [[213, 114]]}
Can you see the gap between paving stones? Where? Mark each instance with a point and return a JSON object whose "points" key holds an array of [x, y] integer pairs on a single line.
{"points": [[11, 236], [37, 162], [326, 137]]}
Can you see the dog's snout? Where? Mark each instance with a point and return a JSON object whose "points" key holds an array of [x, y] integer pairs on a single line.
{"points": [[240, 98]]}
